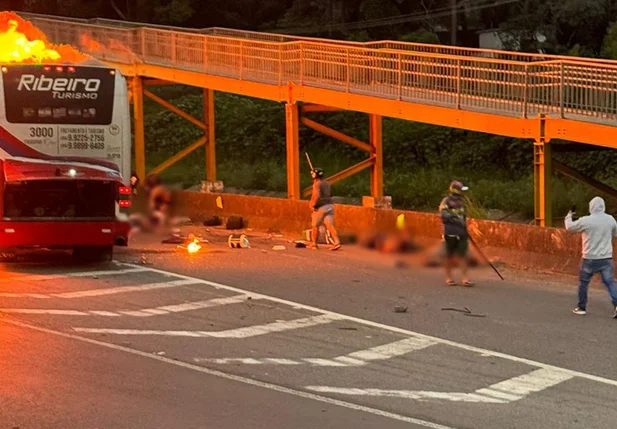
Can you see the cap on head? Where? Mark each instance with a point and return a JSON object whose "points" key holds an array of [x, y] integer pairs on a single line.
{"points": [[457, 187], [316, 173]]}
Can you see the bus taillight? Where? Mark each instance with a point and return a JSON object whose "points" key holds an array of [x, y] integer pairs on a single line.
{"points": [[124, 203], [71, 69], [125, 190]]}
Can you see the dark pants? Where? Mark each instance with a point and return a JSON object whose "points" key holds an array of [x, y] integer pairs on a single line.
{"points": [[589, 267], [456, 246]]}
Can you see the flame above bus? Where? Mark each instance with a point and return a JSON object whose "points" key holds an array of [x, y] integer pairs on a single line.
{"points": [[22, 42]]}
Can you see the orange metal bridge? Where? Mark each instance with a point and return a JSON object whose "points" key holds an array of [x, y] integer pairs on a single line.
{"points": [[530, 96]]}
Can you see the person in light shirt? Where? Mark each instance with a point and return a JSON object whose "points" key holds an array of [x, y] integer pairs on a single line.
{"points": [[598, 231]]}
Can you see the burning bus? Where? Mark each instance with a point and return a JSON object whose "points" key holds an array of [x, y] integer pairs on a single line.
{"points": [[64, 146]]}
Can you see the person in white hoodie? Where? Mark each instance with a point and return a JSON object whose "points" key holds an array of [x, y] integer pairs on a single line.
{"points": [[598, 231]]}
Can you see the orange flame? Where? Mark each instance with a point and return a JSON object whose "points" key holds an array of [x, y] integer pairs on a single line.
{"points": [[22, 42], [194, 246]]}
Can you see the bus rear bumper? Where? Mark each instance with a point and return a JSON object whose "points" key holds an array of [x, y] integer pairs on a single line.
{"points": [[59, 235]]}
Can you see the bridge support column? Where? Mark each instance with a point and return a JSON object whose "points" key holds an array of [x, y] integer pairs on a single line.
{"points": [[542, 172], [292, 135], [138, 124], [209, 134], [376, 141]]}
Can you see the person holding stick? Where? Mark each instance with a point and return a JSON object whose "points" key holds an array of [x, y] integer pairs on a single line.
{"points": [[455, 234], [322, 208]]}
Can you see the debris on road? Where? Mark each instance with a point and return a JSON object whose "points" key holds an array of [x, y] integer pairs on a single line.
{"points": [[237, 241], [466, 311], [400, 309], [279, 248]]}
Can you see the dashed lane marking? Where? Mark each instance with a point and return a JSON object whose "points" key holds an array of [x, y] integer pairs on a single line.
{"points": [[246, 332], [359, 358], [503, 392], [146, 312], [237, 378]]}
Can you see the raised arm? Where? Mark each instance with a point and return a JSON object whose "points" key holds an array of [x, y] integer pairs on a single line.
{"points": [[574, 226], [315, 196]]}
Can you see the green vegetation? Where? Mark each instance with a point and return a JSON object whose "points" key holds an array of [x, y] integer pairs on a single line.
{"points": [[419, 160]]}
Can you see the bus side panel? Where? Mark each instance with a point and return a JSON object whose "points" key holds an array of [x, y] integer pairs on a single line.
{"points": [[123, 112]]}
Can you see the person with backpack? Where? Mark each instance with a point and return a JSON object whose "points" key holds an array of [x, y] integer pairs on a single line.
{"points": [[455, 235]]}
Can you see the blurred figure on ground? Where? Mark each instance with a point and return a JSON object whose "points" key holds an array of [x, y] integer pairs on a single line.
{"points": [[598, 231], [455, 235], [322, 209]]}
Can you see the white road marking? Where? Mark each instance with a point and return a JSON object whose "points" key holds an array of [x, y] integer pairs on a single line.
{"points": [[44, 277], [503, 392], [43, 311], [189, 306], [237, 378], [247, 332], [518, 387], [122, 289], [101, 291], [479, 350], [148, 312], [359, 358], [23, 295]]}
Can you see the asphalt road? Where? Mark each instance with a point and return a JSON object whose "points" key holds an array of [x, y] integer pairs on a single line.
{"points": [[234, 338]]}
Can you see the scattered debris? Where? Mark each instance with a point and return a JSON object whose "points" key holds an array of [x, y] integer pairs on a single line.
{"points": [[212, 221], [174, 239], [95, 277], [235, 222], [237, 241], [300, 244], [160, 353], [345, 328], [466, 311], [279, 248], [400, 309]]}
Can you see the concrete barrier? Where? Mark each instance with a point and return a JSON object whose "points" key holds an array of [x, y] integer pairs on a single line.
{"points": [[519, 245]]}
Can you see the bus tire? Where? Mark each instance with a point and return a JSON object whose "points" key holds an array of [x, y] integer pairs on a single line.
{"points": [[93, 253]]}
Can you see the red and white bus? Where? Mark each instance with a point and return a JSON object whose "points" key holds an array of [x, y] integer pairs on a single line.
{"points": [[65, 145]]}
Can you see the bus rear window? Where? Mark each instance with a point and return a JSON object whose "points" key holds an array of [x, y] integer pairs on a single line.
{"points": [[60, 199]]}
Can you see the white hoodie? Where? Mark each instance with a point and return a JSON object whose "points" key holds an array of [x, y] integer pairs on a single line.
{"points": [[598, 230]]}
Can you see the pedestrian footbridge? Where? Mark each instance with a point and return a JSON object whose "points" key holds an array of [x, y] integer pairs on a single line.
{"points": [[539, 97]]}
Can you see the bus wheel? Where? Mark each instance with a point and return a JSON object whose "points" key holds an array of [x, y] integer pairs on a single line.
{"points": [[93, 253]]}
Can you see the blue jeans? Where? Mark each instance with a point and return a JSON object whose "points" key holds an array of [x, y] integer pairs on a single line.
{"points": [[589, 267]]}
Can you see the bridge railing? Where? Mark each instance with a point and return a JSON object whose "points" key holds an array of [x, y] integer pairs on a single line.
{"points": [[580, 90]]}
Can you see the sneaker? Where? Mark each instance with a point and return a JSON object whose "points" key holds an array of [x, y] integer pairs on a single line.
{"points": [[582, 312], [615, 313]]}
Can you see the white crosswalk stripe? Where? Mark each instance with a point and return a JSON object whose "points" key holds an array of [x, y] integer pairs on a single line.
{"points": [[147, 312], [503, 392], [247, 332], [359, 358]]}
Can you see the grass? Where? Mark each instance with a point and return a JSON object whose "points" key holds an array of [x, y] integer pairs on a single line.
{"points": [[420, 190]]}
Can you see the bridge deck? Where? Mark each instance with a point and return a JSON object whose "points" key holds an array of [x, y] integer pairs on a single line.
{"points": [[492, 91]]}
